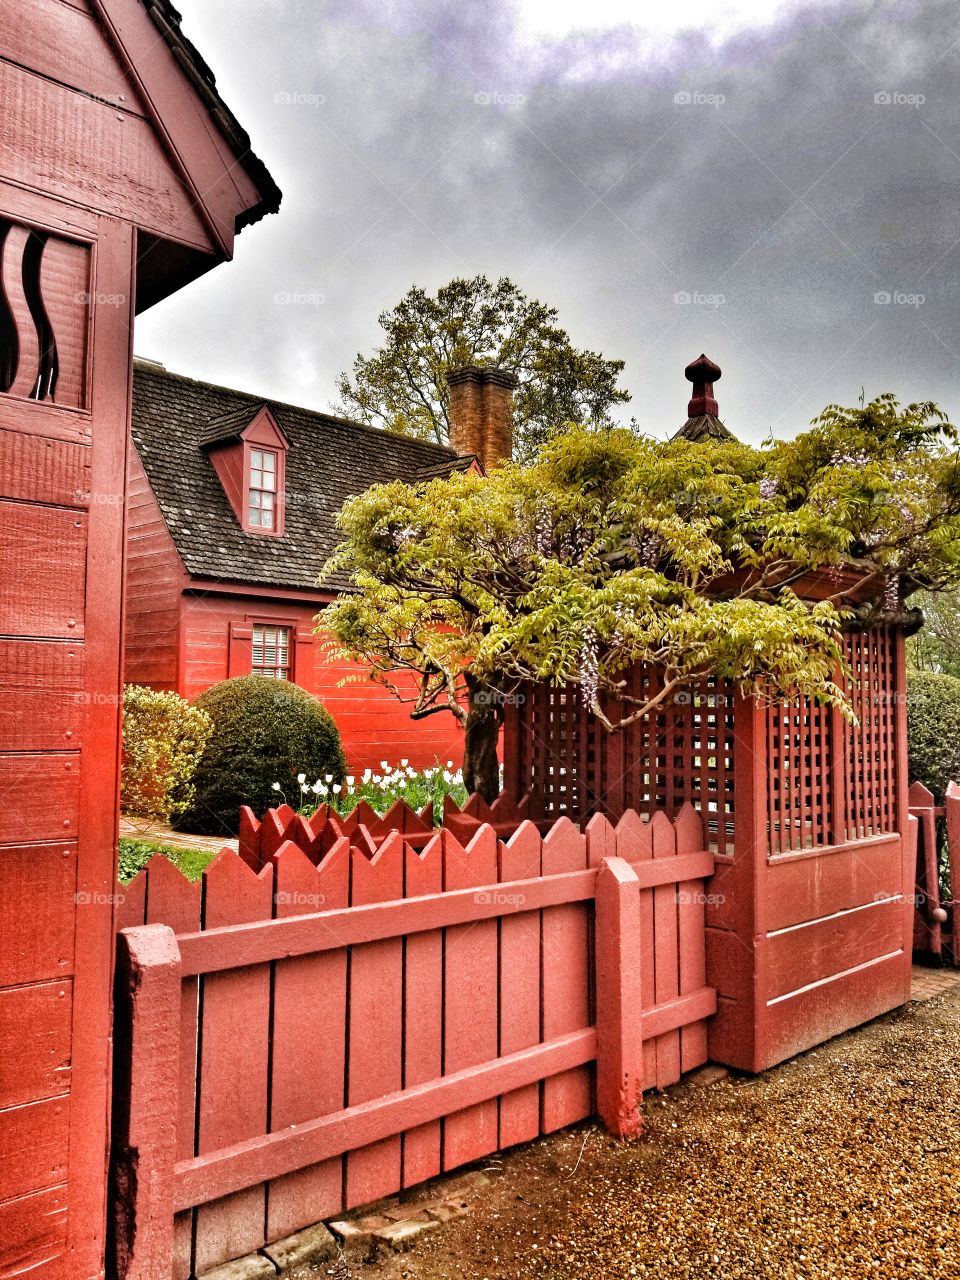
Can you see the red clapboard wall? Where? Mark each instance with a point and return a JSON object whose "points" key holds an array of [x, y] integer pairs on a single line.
{"points": [[90, 182], [474, 993]]}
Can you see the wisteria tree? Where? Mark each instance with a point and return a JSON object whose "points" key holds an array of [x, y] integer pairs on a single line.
{"points": [[612, 550]]}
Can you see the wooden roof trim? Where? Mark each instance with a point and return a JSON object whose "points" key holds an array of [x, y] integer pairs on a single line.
{"points": [[175, 89]]}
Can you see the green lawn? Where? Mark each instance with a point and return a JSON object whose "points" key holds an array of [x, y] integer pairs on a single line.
{"points": [[135, 854]]}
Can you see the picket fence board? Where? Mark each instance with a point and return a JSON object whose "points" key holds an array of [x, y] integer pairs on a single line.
{"points": [[234, 1061], [565, 977], [519, 859], [375, 1019], [470, 997], [422, 1010], [308, 1036]]}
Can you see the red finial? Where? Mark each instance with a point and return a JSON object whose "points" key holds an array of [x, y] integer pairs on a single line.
{"points": [[703, 373]]}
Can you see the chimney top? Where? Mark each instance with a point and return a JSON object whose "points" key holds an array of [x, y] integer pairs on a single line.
{"points": [[481, 412], [703, 373], [702, 422]]}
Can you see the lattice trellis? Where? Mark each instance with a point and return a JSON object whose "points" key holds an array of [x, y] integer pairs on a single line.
{"points": [[826, 780]]}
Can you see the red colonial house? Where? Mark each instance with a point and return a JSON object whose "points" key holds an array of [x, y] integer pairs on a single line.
{"points": [[232, 510]]}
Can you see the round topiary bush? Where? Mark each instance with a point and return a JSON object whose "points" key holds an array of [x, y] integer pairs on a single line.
{"points": [[933, 730], [264, 731]]}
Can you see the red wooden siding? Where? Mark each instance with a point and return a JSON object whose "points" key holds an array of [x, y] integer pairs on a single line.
{"points": [[408, 1104], [84, 167], [155, 578], [375, 725]]}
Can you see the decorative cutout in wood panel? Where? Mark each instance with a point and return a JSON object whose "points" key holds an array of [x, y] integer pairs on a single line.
{"points": [[44, 305]]}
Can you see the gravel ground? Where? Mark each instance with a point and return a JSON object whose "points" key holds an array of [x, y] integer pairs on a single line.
{"points": [[844, 1162]]}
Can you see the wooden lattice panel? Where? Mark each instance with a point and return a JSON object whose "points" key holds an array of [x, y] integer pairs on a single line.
{"points": [[682, 751]]}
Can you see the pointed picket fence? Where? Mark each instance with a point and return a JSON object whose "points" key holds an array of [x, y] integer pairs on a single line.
{"points": [[361, 1008]]}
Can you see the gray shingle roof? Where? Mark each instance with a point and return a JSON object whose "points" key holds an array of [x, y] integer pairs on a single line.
{"points": [[329, 460]]}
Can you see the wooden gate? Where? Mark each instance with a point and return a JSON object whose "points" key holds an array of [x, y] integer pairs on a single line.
{"points": [[937, 880], [300, 1040]]}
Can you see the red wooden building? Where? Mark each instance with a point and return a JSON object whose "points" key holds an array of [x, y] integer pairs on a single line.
{"points": [[123, 176], [233, 502]]}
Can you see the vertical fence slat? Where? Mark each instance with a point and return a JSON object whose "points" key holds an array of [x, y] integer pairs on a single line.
{"points": [[619, 1036], [666, 950], [691, 922], [519, 859], [470, 1032], [375, 1014], [308, 1036], [234, 1059], [635, 844], [145, 1135], [422, 1010], [172, 900], [565, 978]]}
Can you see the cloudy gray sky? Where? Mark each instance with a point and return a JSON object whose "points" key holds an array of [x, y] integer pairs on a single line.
{"points": [[752, 180]]}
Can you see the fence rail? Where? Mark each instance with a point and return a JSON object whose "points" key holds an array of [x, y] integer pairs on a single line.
{"points": [[937, 886], [447, 1000]]}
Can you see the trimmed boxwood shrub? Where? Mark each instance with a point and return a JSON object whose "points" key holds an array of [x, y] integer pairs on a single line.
{"points": [[264, 731], [933, 728]]}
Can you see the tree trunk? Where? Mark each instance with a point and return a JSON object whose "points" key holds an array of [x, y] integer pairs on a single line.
{"points": [[481, 768]]}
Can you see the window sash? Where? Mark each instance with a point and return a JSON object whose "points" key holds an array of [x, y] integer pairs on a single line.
{"points": [[271, 651]]}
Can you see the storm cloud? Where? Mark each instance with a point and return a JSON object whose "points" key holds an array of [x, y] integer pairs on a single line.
{"points": [[784, 199]]}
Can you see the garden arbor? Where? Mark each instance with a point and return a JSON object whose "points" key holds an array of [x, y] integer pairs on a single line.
{"points": [[808, 923]]}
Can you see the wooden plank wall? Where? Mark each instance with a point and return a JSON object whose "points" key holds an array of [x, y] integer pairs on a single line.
{"points": [[352, 1025]]}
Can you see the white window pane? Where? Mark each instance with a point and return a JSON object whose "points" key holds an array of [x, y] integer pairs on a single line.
{"points": [[269, 461], [254, 516]]}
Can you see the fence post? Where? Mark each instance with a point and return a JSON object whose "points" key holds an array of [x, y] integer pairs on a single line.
{"points": [[146, 1088], [619, 1034], [951, 805]]}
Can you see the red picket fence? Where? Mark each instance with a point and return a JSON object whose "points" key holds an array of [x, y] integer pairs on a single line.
{"points": [[935, 913], [301, 1039]]}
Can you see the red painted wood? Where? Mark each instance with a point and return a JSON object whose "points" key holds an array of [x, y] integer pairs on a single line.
{"points": [[691, 941], [33, 1148], [666, 950], [470, 1006], [234, 1060], [33, 1231], [233, 947], [37, 889], [422, 1009], [566, 978], [309, 1037], [635, 844], [173, 900], [367, 1125], [34, 1043], [619, 1030], [375, 1016], [149, 980], [519, 859]]}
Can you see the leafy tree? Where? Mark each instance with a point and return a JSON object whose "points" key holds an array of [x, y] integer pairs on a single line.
{"points": [[403, 385], [163, 739], [613, 550], [937, 647]]}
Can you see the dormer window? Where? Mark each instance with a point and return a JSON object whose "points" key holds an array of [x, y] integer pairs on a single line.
{"points": [[262, 496], [248, 450]]}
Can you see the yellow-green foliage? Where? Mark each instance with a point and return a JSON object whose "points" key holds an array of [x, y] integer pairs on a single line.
{"points": [[163, 738], [613, 549]]}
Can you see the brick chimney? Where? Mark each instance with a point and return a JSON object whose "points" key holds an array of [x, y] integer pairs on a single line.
{"points": [[481, 413]]}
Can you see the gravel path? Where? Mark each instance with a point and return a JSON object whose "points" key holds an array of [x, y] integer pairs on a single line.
{"points": [[842, 1163]]}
